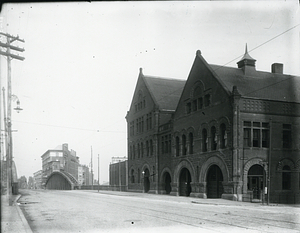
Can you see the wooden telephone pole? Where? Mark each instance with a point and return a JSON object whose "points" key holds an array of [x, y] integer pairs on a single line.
{"points": [[9, 55]]}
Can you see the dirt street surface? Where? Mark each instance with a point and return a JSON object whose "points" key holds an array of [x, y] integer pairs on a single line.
{"points": [[92, 211]]}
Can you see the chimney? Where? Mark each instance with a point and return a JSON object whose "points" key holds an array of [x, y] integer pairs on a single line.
{"points": [[277, 68]]}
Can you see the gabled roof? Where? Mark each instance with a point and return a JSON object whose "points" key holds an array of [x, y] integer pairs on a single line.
{"points": [[264, 85], [165, 91]]}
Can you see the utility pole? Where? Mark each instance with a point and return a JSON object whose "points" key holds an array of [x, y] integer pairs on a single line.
{"points": [[92, 168], [10, 39], [98, 175], [269, 164]]}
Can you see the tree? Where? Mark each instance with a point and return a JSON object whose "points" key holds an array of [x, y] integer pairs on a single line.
{"points": [[22, 182], [31, 183]]}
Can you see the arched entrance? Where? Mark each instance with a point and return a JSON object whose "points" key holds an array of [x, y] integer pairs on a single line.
{"points": [[185, 183], [214, 182], [255, 180], [167, 183], [146, 175]]}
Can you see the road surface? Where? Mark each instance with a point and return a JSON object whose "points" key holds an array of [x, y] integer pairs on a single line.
{"points": [[92, 211]]}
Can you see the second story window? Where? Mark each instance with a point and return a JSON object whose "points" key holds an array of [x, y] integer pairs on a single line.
{"points": [[191, 143], [287, 136], [223, 136], [256, 134], [204, 140], [177, 146], [183, 144]]}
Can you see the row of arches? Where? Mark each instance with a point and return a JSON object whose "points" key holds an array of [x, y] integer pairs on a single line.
{"points": [[213, 176], [211, 138]]}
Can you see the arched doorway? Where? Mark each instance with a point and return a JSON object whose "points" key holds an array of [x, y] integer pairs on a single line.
{"points": [[214, 182], [146, 175], [167, 183], [255, 180], [185, 183]]}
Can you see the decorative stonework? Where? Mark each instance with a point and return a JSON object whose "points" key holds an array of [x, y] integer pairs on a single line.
{"points": [[288, 109], [185, 163], [256, 106], [211, 161], [284, 162]]}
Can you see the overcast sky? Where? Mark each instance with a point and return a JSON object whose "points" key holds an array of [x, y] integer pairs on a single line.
{"points": [[82, 62]]}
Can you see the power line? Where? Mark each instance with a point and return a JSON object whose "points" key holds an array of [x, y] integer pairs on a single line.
{"points": [[273, 38], [67, 127]]}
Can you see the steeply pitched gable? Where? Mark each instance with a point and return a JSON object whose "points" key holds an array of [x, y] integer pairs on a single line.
{"points": [[165, 92]]}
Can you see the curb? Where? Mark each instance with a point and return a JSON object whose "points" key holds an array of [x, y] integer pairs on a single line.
{"points": [[22, 217]]}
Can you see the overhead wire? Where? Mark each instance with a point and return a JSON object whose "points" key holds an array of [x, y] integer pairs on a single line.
{"points": [[241, 56]]}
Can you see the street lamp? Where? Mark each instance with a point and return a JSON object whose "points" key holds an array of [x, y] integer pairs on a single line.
{"points": [[18, 109]]}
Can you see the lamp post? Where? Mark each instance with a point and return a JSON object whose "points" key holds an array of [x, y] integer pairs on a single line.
{"points": [[143, 179], [9, 153], [10, 55]]}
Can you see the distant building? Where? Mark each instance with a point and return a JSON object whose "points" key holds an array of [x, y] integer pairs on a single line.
{"points": [[60, 168], [37, 176], [225, 132], [84, 175], [118, 173]]}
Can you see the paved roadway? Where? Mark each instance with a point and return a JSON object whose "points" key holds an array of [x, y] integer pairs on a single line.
{"points": [[89, 211]]}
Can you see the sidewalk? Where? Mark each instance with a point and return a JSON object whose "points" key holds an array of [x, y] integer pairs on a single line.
{"points": [[193, 200], [12, 218]]}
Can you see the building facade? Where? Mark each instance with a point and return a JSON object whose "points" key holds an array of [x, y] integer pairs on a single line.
{"points": [[37, 176], [60, 168], [118, 171], [225, 132]]}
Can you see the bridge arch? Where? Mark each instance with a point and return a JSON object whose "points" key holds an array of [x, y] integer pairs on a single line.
{"points": [[60, 180]]}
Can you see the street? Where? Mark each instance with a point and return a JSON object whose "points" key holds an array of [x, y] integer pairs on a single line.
{"points": [[104, 211]]}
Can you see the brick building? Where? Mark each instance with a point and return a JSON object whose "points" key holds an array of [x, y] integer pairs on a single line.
{"points": [[118, 173], [225, 132], [60, 168], [37, 176]]}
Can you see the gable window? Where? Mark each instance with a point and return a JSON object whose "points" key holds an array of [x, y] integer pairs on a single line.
{"points": [[188, 108], [286, 178], [207, 100], [287, 136], [194, 105], [200, 103]]}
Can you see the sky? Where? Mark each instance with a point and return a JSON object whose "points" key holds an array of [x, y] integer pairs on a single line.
{"points": [[82, 62]]}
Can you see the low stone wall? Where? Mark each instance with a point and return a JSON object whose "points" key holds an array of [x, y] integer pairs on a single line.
{"points": [[103, 187]]}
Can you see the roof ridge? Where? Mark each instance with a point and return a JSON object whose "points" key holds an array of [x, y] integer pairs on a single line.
{"points": [[164, 78]]}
